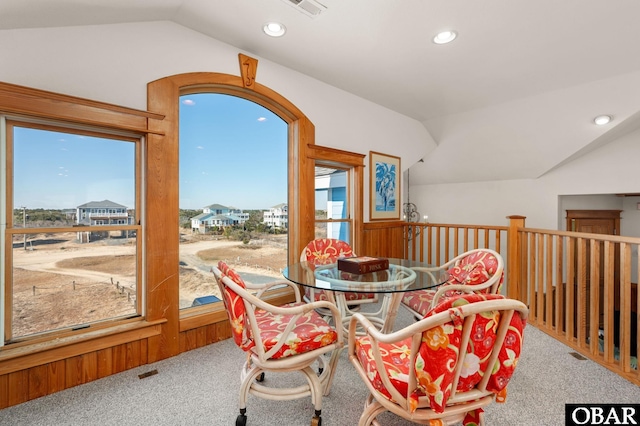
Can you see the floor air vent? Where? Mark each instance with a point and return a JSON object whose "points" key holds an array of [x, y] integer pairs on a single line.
{"points": [[577, 356], [310, 8]]}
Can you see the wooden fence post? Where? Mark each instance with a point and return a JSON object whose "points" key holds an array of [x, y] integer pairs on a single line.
{"points": [[513, 256]]}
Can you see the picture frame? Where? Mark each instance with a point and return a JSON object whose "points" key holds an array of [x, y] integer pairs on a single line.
{"points": [[384, 186]]}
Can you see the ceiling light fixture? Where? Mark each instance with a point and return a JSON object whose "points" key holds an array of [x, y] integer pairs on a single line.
{"points": [[274, 29], [601, 120], [444, 37]]}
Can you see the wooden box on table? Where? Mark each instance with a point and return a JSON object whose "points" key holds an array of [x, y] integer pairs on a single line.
{"points": [[362, 264]]}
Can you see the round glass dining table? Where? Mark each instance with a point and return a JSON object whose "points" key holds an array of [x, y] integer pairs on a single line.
{"points": [[391, 283]]}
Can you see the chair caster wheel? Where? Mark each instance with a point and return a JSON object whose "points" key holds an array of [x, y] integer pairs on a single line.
{"points": [[241, 420], [260, 378], [316, 421]]}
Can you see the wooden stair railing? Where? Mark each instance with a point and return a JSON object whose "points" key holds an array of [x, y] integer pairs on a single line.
{"points": [[566, 278]]}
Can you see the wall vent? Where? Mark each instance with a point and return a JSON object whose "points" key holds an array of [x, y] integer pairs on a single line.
{"points": [[310, 8]]}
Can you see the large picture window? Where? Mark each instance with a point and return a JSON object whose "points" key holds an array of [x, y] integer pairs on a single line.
{"points": [[233, 192], [73, 228]]}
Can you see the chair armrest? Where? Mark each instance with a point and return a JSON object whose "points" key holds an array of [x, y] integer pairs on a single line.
{"points": [[295, 312], [263, 288], [376, 335], [451, 287]]}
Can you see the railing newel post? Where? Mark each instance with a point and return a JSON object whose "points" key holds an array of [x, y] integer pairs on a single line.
{"points": [[514, 291]]}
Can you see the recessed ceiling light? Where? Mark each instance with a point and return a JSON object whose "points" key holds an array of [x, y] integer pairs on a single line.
{"points": [[602, 120], [445, 37], [274, 29]]}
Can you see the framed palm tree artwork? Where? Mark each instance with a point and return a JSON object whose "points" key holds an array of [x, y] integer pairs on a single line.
{"points": [[384, 186]]}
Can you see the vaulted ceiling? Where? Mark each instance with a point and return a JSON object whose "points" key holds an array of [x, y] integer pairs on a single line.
{"points": [[516, 92]]}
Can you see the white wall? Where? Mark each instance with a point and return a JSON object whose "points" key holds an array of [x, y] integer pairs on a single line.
{"points": [[610, 169], [114, 63], [630, 222]]}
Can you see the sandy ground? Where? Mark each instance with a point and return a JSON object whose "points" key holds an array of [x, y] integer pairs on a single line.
{"points": [[59, 282], [264, 258]]}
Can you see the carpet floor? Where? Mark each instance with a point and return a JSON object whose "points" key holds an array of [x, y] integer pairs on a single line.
{"points": [[200, 388]]}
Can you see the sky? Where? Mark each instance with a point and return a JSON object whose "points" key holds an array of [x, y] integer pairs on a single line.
{"points": [[232, 152], [54, 170]]}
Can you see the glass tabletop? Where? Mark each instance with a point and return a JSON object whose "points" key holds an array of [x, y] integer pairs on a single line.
{"points": [[399, 277]]}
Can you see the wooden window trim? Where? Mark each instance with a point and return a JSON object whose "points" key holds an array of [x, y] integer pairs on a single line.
{"points": [[354, 163], [24, 355], [32, 107], [162, 248], [25, 101]]}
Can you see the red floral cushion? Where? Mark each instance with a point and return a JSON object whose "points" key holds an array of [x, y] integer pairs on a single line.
{"points": [[507, 358], [317, 294], [396, 364], [395, 357], [419, 300], [234, 305], [324, 251], [474, 269], [440, 347], [310, 332]]}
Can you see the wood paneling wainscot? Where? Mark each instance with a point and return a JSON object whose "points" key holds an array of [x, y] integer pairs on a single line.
{"points": [[384, 239]]}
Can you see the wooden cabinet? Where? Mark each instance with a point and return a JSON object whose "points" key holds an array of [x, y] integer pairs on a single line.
{"points": [[594, 221]]}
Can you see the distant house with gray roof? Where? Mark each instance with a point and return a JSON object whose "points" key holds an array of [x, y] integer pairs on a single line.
{"points": [[101, 213], [217, 215]]}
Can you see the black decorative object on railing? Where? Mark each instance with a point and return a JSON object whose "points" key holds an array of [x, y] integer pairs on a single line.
{"points": [[409, 210], [411, 214]]}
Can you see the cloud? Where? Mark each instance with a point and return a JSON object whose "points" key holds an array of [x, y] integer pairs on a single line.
{"points": [[262, 119], [189, 102]]}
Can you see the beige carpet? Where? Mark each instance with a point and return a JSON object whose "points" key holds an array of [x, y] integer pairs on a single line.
{"points": [[200, 388]]}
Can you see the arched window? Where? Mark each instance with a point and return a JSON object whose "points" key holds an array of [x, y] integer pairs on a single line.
{"points": [[232, 193], [162, 160]]}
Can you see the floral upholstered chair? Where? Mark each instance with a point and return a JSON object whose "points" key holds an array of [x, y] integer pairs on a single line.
{"points": [[444, 368], [324, 251], [279, 339], [480, 269]]}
